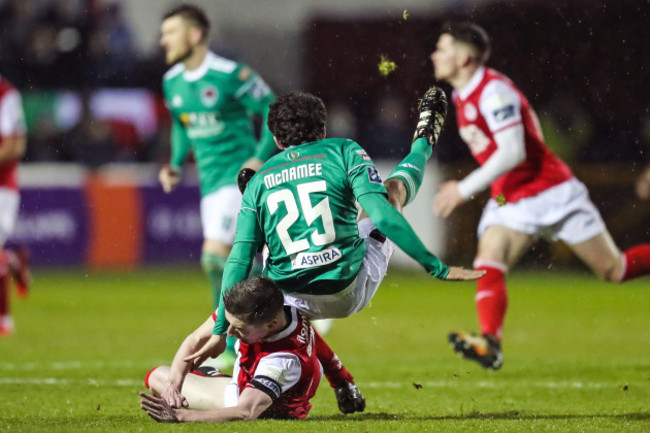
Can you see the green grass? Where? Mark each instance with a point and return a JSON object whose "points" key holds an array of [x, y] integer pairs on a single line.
{"points": [[577, 355]]}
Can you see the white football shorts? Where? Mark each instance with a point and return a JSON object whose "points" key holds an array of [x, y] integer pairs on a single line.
{"points": [[219, 214], [562, 212], [358, 294], [9, 201]]}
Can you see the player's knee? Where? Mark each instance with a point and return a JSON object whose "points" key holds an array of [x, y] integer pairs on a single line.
{"points": [[396, 192], [610, 273], [155, 379]]}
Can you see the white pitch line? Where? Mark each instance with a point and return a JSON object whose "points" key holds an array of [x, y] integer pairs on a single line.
{"points": [[379, 385]]}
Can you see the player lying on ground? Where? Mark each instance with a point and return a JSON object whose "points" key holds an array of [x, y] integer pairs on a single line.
{"points": [[534, 193], [276, 374], [302, 205]]}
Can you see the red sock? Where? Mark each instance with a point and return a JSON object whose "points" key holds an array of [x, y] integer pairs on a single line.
{"points": [[637, 262], [491, 298], [333, 369]]}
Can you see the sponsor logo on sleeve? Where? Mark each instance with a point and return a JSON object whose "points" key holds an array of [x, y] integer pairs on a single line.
{"points": [[504, 113], [363, 154], [373, 175], [277, 374]]}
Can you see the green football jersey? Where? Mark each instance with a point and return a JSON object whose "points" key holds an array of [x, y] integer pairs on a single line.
{"points": [[304, 200], [211, 109]]}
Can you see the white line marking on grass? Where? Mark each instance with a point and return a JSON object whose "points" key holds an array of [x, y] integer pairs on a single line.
{"points": [[75, 365], [379, 385]]}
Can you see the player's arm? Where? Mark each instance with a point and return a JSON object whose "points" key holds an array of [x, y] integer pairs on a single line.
{"points": [[179, 368], [251, 404], [389, 220], [254, 94], [12, 129]]}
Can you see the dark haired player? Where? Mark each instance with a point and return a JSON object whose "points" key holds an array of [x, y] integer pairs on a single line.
{"points": [[533, 193], [302, 205]]}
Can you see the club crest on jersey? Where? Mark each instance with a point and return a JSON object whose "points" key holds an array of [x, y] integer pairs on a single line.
{"points": [[373, 175], [319, 258], [470, 112], [209, 96], [292, 155], [504, 113]]}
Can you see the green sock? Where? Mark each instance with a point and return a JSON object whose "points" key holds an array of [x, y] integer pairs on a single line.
{"points": [[411, 168], [213, 266]]}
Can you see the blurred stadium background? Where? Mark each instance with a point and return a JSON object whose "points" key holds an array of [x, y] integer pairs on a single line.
{"points": [[90, 73]]}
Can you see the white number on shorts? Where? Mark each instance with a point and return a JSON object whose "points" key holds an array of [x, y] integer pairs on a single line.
{"points": [[309, 212]]}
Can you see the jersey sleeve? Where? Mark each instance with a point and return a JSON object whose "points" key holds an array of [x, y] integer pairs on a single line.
{"points": [[248, 239], [500, 106], [12, 118], [254, 94], [361, 171], [276, 374], [180, 143]]}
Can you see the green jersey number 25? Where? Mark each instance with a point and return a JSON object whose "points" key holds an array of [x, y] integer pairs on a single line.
{"points": [[309, 212]]}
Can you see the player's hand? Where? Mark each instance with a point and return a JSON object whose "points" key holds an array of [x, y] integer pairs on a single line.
{"points": [[173, 397], [460, 274], [211, 349], [643, 185], [157, 408], [447, 199], [169, 178], [253, 163]]}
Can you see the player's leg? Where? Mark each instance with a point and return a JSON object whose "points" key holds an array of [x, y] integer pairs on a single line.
{"points": [[203, 392], [499, 249], [6, 322], [348, 395], [9, 201], [586, 234], [604, 258], [433, 111], [218, 217], [18, 262]]}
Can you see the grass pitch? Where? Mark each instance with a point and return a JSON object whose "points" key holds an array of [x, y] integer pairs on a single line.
{"points": [[577, 355]]}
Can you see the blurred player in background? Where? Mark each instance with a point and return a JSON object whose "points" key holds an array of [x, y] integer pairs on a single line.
{"points": [[276, 374], [12, 148], [211, 100], [302, 205], [533, 193]]}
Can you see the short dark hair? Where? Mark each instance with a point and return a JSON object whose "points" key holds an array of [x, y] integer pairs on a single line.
{"points": [[194, 15], [471, 34], [254, 301], [297, 118]]}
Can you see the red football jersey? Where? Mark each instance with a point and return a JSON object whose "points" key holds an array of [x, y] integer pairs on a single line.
{"points": [[12, 122], [491, 103], [260, 366]]}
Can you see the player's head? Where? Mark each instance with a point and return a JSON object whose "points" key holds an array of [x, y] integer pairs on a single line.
{"points": [[297, 118], [182, 29], [461, 45], [254, 308]]}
